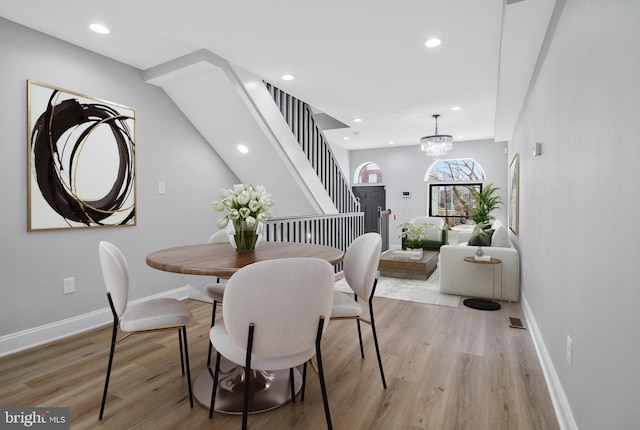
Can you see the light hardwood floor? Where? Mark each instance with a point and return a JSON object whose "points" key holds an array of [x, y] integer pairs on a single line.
{"points": [[446, 368]]}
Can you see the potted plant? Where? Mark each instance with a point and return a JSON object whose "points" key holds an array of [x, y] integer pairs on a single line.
{"points": [[486, 202], [413, 235]]}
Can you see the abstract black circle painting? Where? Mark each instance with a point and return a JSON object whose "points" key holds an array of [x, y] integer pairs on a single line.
{"points": [[82, 161]]}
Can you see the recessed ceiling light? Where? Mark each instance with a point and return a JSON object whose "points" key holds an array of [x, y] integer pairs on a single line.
{"points": [[345, 138], [99, 28], [357, 120], [456, 108], [286, 77], [459, 137], [391, 143], [432, 43], [242, 149]]}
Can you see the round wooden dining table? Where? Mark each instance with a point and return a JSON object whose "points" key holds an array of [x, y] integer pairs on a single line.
{"points": [[269, 389], [222, 260]]}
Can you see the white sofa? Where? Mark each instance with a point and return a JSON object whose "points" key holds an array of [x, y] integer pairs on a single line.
{"points": [[475, 280]]}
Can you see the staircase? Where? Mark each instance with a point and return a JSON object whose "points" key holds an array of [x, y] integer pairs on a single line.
{"points": [[288, 153], [313, 143]]}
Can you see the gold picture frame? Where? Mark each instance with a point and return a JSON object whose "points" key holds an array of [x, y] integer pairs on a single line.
{"points": [[514, 193], [81, 160]]}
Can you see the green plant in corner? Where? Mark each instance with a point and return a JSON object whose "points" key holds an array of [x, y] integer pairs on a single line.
{"points": [[486, 202]]}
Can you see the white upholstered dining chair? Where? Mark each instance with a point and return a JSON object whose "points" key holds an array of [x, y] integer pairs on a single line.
{"points": [[361, 273], [274, 315], [144, 317], [215, 290]]}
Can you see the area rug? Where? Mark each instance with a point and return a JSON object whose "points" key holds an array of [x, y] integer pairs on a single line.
{"points": [[411, 290]]}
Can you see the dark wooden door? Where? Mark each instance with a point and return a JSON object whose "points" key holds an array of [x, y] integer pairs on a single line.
{"points": [[372, 200]]}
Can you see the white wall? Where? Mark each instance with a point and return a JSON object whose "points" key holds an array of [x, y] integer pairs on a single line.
{"points": [[579, 203], [168, 149], [342, 156], [403, 169]]}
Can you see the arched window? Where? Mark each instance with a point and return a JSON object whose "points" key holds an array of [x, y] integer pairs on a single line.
{"points": [[451, 186], [455, 170], [368, 173]]}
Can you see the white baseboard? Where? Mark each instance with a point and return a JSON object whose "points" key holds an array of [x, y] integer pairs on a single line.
{"points": [[559, 399], [22, 340]]}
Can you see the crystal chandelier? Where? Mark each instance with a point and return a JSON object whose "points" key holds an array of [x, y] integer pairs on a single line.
{"points": [[436, 145]]}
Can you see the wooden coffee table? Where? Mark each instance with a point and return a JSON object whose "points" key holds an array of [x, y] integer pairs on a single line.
{"points": [[410, 269]]}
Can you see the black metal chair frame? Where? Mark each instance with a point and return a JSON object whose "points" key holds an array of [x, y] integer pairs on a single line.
{"points": [[245, 407], [184, 353], [213, 322], [372, 323]]}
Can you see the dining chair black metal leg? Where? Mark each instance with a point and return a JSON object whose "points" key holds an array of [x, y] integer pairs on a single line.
{"points": [[375, 336], [304, 381], [247, 378], [355, 297], [213, 322], [375, 341], [181, 351], [106, 381], [360, 338], [114, 334], [214, 391], [323, 387], [186, 359], [292, 385]]}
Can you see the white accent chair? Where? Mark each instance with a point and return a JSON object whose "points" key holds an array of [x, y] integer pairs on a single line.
{"points": [[436, 221], [143, 317], [274, 314], [361, 274], [215, 290], [437, 235]]}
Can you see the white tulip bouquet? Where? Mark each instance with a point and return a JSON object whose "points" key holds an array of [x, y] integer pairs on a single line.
{"points": [[247, 206]]}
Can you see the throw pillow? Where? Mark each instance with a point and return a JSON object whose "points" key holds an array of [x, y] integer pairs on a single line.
{"points": [[500, 237], [481, 235]]}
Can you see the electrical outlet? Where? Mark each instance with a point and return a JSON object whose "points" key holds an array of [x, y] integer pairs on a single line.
{"points": [[569, 350], [162, 188], [68, 285]]}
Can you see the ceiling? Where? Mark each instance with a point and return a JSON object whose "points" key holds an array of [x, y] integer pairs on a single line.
{"points": [[350, 58]]}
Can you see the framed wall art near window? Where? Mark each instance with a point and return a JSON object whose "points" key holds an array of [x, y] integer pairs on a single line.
{"points": [[81, 160], [514, 192]]}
